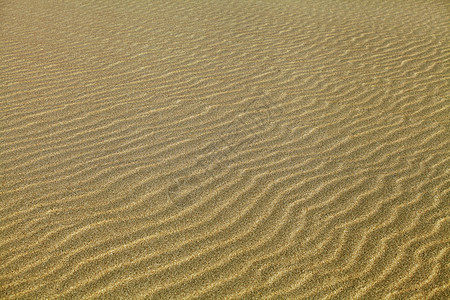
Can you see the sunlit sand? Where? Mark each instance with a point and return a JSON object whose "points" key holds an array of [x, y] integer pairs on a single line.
{"points": [[224, 149]]}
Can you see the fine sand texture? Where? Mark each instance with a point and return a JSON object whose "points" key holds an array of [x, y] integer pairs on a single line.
{"points": [[235, 149]]}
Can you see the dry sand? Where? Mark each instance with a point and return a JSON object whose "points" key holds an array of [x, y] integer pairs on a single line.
{"points": [[250, 149]]}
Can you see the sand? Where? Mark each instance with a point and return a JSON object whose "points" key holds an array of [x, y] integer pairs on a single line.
{"points": [[250, 149]]}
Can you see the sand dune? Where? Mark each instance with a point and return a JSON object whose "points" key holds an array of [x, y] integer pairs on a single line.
{"points": [[224, 149]]}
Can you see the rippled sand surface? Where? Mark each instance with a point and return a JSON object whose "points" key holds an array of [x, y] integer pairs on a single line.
{"points": [[245, 149]]}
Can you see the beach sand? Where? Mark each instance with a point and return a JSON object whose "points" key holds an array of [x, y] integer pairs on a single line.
{"points": [[250, 149]]}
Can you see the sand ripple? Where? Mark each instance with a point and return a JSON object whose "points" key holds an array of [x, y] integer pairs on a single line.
{"points": [[224, 149]]}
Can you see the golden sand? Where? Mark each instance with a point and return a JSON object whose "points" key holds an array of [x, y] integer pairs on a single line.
{"points": [[247, 149]]}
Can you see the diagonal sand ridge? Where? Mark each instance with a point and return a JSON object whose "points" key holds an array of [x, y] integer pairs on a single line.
{"points": [[224, 149]]}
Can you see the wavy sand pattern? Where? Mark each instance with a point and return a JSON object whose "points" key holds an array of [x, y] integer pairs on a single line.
{"points": [[225, 149]]}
